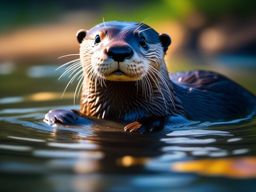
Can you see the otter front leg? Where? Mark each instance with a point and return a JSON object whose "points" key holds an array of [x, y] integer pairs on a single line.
{"points": [[62, 116], [146, 125]]}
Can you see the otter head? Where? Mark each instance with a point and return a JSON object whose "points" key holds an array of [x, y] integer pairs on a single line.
{"points": [[121, 51]]}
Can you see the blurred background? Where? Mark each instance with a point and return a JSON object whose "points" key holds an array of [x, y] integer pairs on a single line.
{"points": [[215, 35], [206, 34]]}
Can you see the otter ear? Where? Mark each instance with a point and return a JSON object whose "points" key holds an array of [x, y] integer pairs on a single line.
{"points": [[165, 41], [80, 35]]}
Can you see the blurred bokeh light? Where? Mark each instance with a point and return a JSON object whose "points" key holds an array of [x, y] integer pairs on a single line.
{"points": [[33, 31]]}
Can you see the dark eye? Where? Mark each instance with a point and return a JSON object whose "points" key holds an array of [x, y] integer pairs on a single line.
{"points": [[143, 43], [97, 39]]}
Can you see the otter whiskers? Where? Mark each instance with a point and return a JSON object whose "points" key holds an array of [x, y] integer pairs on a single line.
{"points": [[77, 74], [68, 55], [165, 85], [73, 71], [78, 87]]}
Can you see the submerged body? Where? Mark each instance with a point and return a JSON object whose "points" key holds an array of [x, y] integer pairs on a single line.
{"points": [[125, 79], [208, 96]]}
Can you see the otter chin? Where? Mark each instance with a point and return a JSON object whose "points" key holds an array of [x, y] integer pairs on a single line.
{"points": [[125, 79], [120, 76]]}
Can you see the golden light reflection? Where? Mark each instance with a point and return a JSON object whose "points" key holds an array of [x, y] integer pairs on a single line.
{"points": [[86, 166], [239, 167], [45, 96], [128, 161]]}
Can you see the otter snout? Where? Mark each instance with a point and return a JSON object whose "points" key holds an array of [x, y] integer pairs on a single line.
{"points": [[119, 52]]}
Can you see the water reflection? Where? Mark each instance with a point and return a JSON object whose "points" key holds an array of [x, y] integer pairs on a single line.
{"points": [[66, 154], [242, 167], [128, 161], [84, 145], [7, 68], [36, 97], [9, 100], [15, 147], [42, 71], [26, 139], [100, 155], [101, 142]]}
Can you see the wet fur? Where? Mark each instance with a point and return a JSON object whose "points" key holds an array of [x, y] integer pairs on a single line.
{"points": [[152, 95], [196, 95], [209, 96]]}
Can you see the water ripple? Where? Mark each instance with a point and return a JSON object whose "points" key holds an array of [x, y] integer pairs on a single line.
{"points": [[15, 147], [85, 146], [68, 154]]}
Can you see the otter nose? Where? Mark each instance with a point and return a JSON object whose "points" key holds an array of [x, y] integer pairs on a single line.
{"points": [[120, 53]]}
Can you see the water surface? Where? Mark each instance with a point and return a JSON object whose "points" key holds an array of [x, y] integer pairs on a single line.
{"points": [[186, 156]]}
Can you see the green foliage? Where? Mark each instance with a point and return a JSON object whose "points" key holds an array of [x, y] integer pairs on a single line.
{"points": [[232, 8], [17, 13]]}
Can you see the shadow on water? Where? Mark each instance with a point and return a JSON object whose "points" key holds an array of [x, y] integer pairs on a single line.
{"points": [[189, 156]]}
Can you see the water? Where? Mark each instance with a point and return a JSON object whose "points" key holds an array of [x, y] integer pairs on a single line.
{"points": [[186, 156]]}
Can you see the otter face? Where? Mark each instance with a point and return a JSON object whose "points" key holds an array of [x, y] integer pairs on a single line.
{"points": [[121, 51]]}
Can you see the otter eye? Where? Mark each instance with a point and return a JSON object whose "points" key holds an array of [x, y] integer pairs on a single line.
{"points": [[143, 43], [97, 39]]}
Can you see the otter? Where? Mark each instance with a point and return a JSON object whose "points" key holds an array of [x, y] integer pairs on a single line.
{"points": [[125, 79]]}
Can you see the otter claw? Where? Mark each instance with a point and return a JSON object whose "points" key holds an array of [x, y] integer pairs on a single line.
{"points": [[147, 125], [134, 127]]}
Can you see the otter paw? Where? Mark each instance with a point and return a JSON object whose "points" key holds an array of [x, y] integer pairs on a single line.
{"points": [[61, 116], [146, 125], [134, 127]]}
